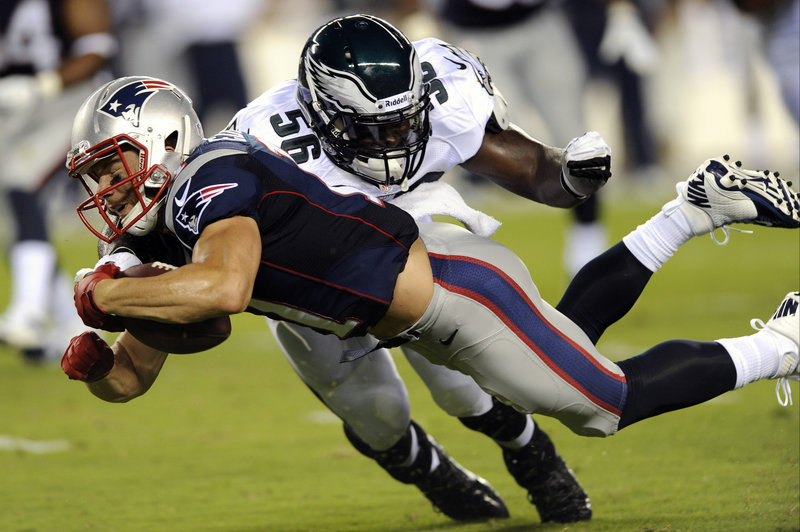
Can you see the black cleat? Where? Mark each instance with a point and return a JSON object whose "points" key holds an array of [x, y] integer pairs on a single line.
{"points": [[552, 486], [459, 493]]}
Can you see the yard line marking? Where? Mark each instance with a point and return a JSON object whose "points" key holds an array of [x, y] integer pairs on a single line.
{"points": [[10, 443], [322, 417]]}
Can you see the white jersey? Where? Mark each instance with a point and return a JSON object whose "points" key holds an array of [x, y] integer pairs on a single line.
{"points": [[463, 102]]}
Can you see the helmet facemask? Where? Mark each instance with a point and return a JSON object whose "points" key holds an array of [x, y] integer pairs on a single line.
{"points": [[143, 186], [385, 149]]}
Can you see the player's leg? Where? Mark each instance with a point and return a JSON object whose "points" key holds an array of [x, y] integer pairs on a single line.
{"points": [[718, 193], [523, 351], [681, 373], [32, 263], [372, 401], [528, 453], [487, 320]]}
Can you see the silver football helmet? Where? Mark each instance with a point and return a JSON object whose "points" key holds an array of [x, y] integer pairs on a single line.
{"points": [[360, 88], [148, 115]]}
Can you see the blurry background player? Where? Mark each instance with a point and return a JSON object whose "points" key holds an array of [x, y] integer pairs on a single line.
{"points": [[779, 36], [617, 45], [203, 55], [533, 56], [52, 54]]}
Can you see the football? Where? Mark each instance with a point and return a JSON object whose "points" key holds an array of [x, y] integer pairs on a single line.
{"points": [[172, 337]]}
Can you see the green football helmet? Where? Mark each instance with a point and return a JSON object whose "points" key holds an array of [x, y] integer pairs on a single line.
{"points": [[360, 88]]}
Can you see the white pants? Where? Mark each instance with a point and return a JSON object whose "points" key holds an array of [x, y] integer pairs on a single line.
{"points": [[368, 393]]}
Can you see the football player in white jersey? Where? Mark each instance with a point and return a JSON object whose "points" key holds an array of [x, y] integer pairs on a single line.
{"points": [[50, 53], [467, 124]]}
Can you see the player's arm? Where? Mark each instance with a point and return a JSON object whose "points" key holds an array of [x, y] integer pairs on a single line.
{"points": [[88, 24], [522, 165], [219, 281], [545, 174], [115, 373]]}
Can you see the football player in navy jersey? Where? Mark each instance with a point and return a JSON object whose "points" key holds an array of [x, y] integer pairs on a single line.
{"points": [[247, 219]]}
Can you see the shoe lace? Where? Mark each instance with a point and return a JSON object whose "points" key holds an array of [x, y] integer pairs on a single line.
{"points": [[783, 390], [725, 229]]}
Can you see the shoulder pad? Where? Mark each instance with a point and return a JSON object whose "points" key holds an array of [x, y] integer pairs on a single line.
{"points": [[499, 119]]}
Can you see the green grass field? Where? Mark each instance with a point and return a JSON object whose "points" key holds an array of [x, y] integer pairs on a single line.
{"points": [[230, 440]]}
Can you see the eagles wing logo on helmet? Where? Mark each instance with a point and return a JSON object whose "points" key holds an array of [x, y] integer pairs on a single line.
{"points": [[333, 84], [127, 101]]}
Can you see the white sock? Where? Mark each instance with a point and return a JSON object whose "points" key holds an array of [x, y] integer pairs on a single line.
{"points": [[757, 356], [523, 439], [33, 264], [584, 242], [655, 241]]}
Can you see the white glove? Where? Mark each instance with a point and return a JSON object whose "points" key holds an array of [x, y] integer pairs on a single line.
{"points": [[19, 93], [626, 38], [122, 259], [585, 164]]}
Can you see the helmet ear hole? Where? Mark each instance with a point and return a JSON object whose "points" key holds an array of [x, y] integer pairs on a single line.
{"points": [[171, 142]]}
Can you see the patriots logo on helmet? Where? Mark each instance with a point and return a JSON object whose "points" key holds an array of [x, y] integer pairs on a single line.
{"points": [[127, 101]]}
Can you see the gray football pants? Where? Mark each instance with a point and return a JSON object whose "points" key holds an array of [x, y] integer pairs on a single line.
{"points": [[487, 320]]}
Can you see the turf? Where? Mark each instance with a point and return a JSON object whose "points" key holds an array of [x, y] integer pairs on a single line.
{"points": [[230, 440]]}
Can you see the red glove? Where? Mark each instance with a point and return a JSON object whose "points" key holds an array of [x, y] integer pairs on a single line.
{"points": [[90, 313], [87, 358]]}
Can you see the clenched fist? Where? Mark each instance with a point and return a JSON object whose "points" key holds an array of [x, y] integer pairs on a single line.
{"points": [[87, 358], [90, 313], [585, 165]]}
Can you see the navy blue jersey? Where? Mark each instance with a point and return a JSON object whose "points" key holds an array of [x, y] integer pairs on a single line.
{"points": [[328, 260]]}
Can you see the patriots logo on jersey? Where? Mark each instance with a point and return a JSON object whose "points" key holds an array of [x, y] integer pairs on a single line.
{"points": [[127, 102], [191, 207]]}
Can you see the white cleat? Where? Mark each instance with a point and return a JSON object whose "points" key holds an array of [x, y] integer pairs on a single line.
{"points": [[720, 192], [785, 323], [22, 331]]}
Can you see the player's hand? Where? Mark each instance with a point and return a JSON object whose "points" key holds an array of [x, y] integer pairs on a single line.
{"points": [[19, 93], [88, 358], [585, 164], [627, 39], [90, 313]]}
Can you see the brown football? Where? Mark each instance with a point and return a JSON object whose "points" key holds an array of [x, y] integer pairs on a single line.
{"points": [[174, 338]]}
